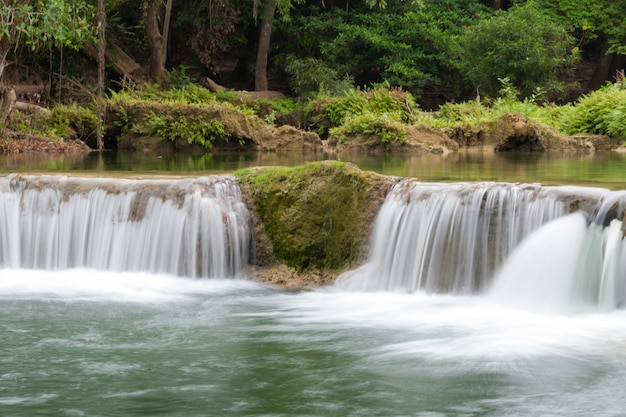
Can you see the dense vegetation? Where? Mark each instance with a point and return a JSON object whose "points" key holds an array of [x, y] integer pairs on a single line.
{"points": [[352, 68]]}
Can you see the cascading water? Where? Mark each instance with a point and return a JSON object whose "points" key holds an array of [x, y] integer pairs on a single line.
{"points": [[194, 228], [567, 265], [453, 239]]}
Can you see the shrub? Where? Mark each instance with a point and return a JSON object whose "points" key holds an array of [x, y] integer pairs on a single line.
{"points": [[524, 44], [310, 77], [194, 131], [601, 112], [392, 103], [368, 124]]}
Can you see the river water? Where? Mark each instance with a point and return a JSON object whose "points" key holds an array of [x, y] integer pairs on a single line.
{"points": [[93, 343], [90, 340]]}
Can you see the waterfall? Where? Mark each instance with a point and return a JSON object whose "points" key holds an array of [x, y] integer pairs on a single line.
{"points": [[567, 265], [194, 227], [452, 238]]}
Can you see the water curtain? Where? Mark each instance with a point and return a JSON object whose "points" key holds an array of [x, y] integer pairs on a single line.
{"points": [[454, 238], [195, 227]]}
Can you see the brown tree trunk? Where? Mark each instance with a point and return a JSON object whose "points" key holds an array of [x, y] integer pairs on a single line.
{"points": [[7, 102], [260, 72], [4, 50], [101, 18], [156, 41]]}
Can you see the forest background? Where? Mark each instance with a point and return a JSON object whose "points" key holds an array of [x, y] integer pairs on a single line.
{"points": [[437, 52]]}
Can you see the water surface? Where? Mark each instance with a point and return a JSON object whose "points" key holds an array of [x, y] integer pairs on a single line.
{"points": [[90, 343], [602, 169]]}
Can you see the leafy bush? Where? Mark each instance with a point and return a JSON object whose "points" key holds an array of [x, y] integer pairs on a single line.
{"points": [[310, 77], [202, 132], [524, 44], [601, 112], [63, 122], [393, 104], [369, 124]]}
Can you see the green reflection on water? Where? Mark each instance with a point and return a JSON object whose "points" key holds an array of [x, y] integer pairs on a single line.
{"points": [[603, 169]]}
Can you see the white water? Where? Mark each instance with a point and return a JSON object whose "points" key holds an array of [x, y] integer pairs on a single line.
{"points": [[566, 266], [85, 341], [450, 238], [456, 238], [193, 228], [92, 342]]}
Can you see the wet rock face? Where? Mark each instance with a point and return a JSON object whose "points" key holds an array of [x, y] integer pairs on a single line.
{"points": [[317, 216], [521, 143], [515, 133]]}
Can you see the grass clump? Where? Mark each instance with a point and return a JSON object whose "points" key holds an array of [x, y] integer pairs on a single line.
{"points": [[61, 123]]}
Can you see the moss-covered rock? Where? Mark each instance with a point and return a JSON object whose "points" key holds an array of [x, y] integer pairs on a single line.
{"points": [[317, 216], [515, 132]]}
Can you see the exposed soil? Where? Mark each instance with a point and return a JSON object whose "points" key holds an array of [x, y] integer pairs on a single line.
{"points": [[11, 142]]}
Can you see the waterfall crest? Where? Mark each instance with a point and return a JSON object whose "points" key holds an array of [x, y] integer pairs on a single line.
{"points": [[451, 238], [194, 227]]}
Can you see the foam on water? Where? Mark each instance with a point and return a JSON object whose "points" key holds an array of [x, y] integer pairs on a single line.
{"points": [[453, 328], [81, 284]]}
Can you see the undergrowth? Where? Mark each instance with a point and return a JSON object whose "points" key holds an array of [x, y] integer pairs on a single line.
{"points": [[601, 112]]}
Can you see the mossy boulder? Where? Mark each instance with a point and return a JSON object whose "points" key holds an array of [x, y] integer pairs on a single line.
{"points": [[317, 217], [515, 132]]}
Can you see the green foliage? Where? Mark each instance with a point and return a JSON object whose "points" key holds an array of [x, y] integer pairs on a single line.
{"points": [[273, 107], [47, 22], [601, 112], [390, 103], [194, 131], [187, 94], [66, 120], [590, 19], [310, 77], [472, 113], [526, 45], [62, 123], [178, 79], [368, 124], [405, 44]]}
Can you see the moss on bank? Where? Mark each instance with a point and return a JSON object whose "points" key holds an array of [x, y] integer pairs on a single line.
{"points": [[317, 216]]}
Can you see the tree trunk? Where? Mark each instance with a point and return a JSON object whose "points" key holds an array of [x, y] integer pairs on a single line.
{"points": [[5, 45], [101, 18], [260, 73], [156, 41], [166, 25], [7, 102]]}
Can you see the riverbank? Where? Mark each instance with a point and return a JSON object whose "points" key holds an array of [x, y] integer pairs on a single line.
{"points": [[379, 120]]}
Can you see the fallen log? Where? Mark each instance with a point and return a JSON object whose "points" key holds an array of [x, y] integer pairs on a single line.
{"points": [[119, 61], [30, 108], [243, 95]]}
